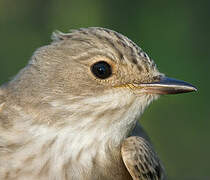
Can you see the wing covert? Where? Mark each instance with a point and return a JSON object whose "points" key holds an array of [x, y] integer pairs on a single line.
{"points": [[141, 160]]}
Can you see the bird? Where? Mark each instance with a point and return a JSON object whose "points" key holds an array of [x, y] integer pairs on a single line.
{"points": [[72, 113]]}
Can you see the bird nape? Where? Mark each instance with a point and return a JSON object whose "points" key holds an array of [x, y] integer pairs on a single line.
{"points": [[71, 112]]}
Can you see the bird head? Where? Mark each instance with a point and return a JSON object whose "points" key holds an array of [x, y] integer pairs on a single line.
{"points": [[93, 76], [98, 60]]}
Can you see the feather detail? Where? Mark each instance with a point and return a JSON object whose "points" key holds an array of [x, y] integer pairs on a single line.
{"points": [[141, 160]]}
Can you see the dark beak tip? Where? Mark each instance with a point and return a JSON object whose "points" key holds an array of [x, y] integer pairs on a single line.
{"points": [[179, 86], [168, 85], [191, 89], [195, 89]]}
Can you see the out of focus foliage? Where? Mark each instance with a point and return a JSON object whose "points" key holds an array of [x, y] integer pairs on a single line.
{"points": [[176, 34]]}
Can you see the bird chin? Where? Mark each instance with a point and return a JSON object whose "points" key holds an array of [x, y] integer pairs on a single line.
{"points": [[149, 97]]}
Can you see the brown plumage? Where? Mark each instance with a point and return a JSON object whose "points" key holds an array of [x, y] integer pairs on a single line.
{"points": [[68, 114], [141, 160]]}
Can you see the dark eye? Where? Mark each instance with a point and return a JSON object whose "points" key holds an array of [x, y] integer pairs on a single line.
{"points": [[101, 69]]}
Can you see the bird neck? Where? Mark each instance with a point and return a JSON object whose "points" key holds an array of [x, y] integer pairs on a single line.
{"points": [[76, 131], [105, 117]]}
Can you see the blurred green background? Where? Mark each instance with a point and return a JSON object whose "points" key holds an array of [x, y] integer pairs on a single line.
{"points": [[176, 34]]}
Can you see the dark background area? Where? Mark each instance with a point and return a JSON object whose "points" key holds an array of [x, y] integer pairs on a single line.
{"points": [[176, 34]]}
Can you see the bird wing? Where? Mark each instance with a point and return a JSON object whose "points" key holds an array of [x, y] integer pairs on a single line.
{"points": [[141, 160]]}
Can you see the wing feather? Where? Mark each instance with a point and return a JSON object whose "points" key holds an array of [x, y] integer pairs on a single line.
{"points": [[141, 160]]}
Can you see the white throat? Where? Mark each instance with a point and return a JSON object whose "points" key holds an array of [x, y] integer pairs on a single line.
{"points": [[88, 126], [102, 119]]}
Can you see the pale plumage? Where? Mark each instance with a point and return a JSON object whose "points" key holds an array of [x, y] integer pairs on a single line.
{"points": [[66, 115]]}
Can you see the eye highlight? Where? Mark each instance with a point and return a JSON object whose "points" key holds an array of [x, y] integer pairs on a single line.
{"points": [[101, 69]]}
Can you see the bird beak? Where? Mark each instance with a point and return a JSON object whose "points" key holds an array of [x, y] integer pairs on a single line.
{"points": [[167, 86]]}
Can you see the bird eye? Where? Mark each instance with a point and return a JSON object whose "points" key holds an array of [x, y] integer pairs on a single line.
{"points": [[101, 69]]}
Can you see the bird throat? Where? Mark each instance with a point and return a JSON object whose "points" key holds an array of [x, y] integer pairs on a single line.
{"points": [[87, 131]]}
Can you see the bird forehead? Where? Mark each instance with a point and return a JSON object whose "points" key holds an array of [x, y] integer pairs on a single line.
{"points": [[108, 41]]}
